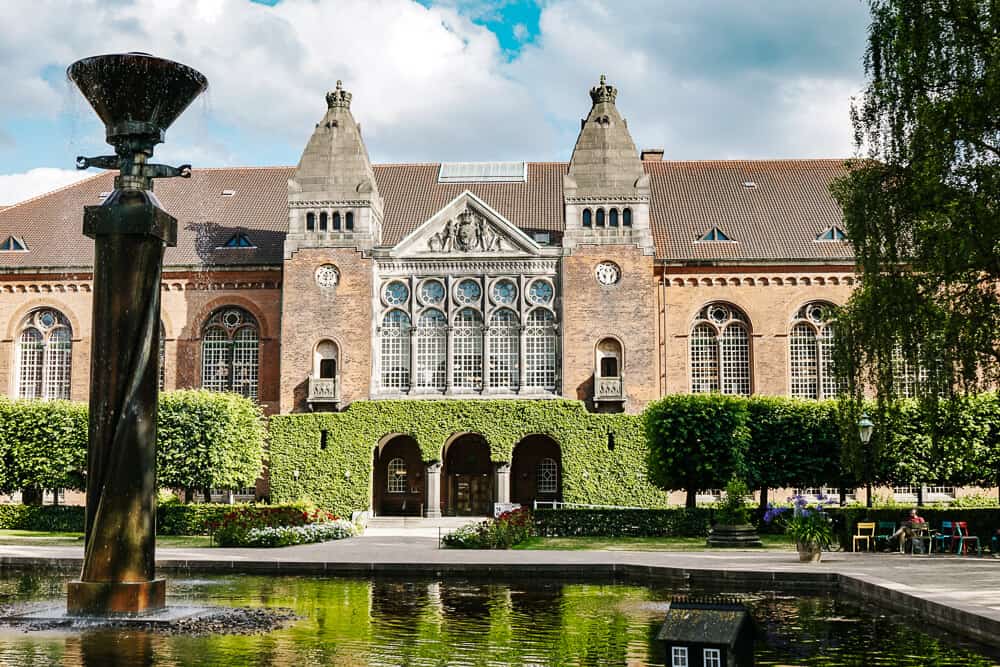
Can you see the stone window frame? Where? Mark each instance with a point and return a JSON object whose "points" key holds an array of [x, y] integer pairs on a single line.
{"points": [[394, 344], [232, 343], [810, 348], [44, 364], [547, 475], [504, 349], [720, 348], [396, 483]]}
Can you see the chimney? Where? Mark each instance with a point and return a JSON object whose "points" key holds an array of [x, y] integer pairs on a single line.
{"points": [[652, 154]]}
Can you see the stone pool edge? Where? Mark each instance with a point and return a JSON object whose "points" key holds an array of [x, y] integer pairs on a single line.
{"points": [[942, 611]]}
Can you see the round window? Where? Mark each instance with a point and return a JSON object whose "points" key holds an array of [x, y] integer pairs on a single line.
{"points": [[718, 314], [607, 273], [468, 291], [327, 276], [815, 313], [232, 318], [504, 291], [47, 319], [540, 292], [395, 293], [432, 292]]}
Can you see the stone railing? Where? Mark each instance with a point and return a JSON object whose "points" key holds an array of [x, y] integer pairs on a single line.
{"points": [[324, 390], [608, 389]]}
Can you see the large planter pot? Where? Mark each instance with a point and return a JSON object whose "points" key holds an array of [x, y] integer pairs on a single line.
{"points": [[733, 536], [810, 552]]}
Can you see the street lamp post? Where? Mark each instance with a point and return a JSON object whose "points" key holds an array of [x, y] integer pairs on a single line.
{"points": [[865, 428]]}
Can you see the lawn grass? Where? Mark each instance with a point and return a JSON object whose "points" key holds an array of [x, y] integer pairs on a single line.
{"points": [[36, 538], [771, 542]]}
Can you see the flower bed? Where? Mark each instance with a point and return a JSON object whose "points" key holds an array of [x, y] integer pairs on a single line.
{"points": [[235, 527], [508, 529], [283, 536]]}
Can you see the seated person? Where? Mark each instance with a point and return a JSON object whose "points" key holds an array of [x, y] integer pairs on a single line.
{"points": [[905, 531]]}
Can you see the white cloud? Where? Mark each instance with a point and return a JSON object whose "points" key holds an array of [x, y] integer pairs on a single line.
{"points": [[16, 188]]}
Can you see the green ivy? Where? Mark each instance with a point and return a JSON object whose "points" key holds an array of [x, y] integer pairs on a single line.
{"points": [[338, 478]]}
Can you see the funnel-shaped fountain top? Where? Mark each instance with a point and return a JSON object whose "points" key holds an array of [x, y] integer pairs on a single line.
{"points": [[136, 93]]}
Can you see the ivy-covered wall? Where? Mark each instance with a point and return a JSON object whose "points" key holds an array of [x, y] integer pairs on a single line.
{"points": [[338, 477]]}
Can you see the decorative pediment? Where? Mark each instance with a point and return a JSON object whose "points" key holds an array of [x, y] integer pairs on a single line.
{"points": [[466, 227]]}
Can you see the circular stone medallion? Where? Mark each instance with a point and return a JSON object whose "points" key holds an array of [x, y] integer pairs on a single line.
{"points": [[607, 273], [327, 276]]}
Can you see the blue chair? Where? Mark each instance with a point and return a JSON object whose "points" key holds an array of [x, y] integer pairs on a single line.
{"points": [[944, 537]]}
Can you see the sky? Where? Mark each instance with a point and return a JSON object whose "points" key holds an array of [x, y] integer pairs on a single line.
{"points": [[440, 80]]}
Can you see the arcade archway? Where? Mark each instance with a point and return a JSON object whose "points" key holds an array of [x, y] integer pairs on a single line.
{"points": [[467, 477], [398, 479], [536, 471]]}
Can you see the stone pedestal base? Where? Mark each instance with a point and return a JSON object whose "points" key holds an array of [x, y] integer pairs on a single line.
{"points": [[733, 536], [88, 598]]}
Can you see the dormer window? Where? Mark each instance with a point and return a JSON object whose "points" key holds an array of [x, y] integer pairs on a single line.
{"points": [[239, 240], [13, 244], [714, 234], [834, 233]]}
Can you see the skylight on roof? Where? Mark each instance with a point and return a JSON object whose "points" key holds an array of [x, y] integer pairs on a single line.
{"points": [[13, 244], [833, 233], [483, 172], [714, 234], [750, 185], [239, 240], [228, 193]]}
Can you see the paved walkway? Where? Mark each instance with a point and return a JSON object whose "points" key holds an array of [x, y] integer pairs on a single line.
{"points": [[958, 593]]}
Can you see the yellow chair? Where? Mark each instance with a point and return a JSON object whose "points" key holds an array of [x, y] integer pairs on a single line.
{"points": [[864, 531]]}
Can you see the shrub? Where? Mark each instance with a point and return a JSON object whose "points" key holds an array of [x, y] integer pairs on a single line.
{"points": [[809, 524], [43, 445], [283, 536], [733, 510], [696, 441], [507, 530], [235, 526], [674, 522], [974, 500], [58, 518]]}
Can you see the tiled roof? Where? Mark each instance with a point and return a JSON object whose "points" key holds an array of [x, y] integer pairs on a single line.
{"points": [[778, 219]]}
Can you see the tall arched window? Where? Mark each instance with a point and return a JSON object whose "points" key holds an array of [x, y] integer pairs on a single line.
{"points": [[613, 218], [395, 337], [44, 355], [432, 350], [600, 217], [468, 338], [325, 360], [230, 349], [310, 221], [810, 353], [588, 219], [540, 350], [627, 217], [322, 221], [349, 221], [396, 482], [720, 350], [504, 354], [336, 221]]}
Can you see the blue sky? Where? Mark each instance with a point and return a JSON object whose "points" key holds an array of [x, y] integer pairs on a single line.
{"points": [[441, 80]]}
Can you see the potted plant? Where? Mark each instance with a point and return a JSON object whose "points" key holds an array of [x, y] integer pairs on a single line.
{"points": [[809, 525], [732, 520]]}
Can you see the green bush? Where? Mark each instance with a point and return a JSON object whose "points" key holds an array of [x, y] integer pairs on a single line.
{"points": [[236, 525], [56, 518], [733, 510], [696, 441], [507, 530], [43, 445], [674, 522], [286, 536], [208, 440]]}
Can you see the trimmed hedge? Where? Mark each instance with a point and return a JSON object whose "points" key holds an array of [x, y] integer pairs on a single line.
{"points": [[983, 522], [338, 477], [675, 522], [43, 444], [58, 518]]}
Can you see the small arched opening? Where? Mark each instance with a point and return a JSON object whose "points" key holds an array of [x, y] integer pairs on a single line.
{"points": [[536, 471], [398, 479]]}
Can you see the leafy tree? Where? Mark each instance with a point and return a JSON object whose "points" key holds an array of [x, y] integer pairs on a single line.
{"points": [[922, 210], [208, 440], [696, 441], [43, 445]]}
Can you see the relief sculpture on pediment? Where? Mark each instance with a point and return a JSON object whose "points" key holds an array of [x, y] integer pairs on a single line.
{"points": [[468, 232]]}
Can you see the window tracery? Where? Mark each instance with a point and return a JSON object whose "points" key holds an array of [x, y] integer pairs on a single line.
{"points": [[810, 351], [719, 349], [230, 352], [44, 356]]}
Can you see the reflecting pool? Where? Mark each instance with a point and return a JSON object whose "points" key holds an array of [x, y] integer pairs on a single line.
{"points": [[388, 621]]}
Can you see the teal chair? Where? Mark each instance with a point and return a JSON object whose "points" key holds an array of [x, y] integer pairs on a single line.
{"points": [[883, 532], [944, 537]]}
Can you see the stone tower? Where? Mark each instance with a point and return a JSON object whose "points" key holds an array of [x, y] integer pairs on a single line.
{"points": [[609, 360], [334, 221]]}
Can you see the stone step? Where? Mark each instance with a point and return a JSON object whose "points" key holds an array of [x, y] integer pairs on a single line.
{"points": [[421, 522]]}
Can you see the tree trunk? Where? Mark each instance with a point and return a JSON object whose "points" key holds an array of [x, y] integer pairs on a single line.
{"points": [[188, 496], [55, 497], [31, 495], [763, 499], [691, 498], [207, 495], [920, 495], [843, 496]]}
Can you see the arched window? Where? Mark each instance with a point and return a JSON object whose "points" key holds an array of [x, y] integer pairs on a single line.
{"points": [[468, 356], [322, 221], [720, 351], [396, 476], [810, 348], [600, 217], [432, 350], [230, 348], [609, 358], [336, 221], [325, 360], [613, 218], [906, 375], [587, 217], [504, 355], [627, 217], [540, 350], [395, 358], [349, 221], [44, 355], [310, 221], [547, 476]]}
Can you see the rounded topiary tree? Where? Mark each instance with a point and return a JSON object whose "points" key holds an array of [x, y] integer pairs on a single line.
{"points": [[696, 441]]}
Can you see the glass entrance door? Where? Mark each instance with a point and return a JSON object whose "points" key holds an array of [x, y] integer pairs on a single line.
{"points": [[471, 494]]}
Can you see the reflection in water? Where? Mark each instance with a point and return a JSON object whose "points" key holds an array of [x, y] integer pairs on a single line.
{"points": [[425, 622]]}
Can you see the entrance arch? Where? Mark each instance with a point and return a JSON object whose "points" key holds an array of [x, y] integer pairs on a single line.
{"points": [[398, 479], [536, 471], [467, 477]]}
